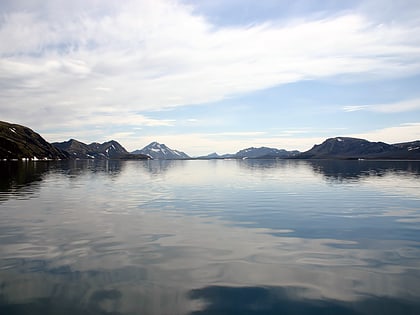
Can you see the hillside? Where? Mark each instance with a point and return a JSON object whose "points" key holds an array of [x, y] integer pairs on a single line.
{"points": [[354, 148], [20, 142]]}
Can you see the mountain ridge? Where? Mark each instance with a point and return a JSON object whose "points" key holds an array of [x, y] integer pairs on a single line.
{"points": [[356, 148], [20, 142], [264, 153], [106, 150]]}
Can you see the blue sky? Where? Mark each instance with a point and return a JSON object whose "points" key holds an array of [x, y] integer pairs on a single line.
{"points": [[212, 75]]}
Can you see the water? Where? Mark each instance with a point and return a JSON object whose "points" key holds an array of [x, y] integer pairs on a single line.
{"points": [[210, 237]]}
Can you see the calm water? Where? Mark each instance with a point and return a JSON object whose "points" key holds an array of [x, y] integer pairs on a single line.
{"points": [[210, 237]]}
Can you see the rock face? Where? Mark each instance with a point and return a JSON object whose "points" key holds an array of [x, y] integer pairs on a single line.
{"points": [[354, 148], [264, 153], [107, 150], [20, 142], [161, 152]]}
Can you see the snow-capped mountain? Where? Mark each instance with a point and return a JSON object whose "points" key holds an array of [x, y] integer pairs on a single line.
{"points": [[161, 152]]}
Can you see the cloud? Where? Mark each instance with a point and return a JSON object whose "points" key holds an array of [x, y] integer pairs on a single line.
{"points": [[397, 107], [237, 134], [149, 55], [122, 118], [395, 134]]}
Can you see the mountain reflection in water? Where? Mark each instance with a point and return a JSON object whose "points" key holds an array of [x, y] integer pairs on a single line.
{"points": [[209, 237]]}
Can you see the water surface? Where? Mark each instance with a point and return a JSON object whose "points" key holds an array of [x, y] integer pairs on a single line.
{"points": [[210, 237]]}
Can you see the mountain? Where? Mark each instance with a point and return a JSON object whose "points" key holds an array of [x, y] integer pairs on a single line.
{"points": [[214, 156], [110, 149], [20, 142], [103, 151], [354, 148], [253, 153], [264, 153], [75, 148], [161, 152]]}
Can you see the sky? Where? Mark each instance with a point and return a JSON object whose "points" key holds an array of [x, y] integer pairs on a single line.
{"points": [[205, 76]]}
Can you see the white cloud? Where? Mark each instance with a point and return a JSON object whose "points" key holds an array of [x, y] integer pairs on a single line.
{"points": [[355, 108], [148, 55], [237, 134], [401, 106]]}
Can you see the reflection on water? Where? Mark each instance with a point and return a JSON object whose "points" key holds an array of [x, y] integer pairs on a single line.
{"points": [[355, 170], [16, 177], [288, 300], [159, 167], [209, 237], [338, 170]]}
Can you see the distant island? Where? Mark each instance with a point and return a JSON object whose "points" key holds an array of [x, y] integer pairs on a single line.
{"points": [[18, 142]]}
